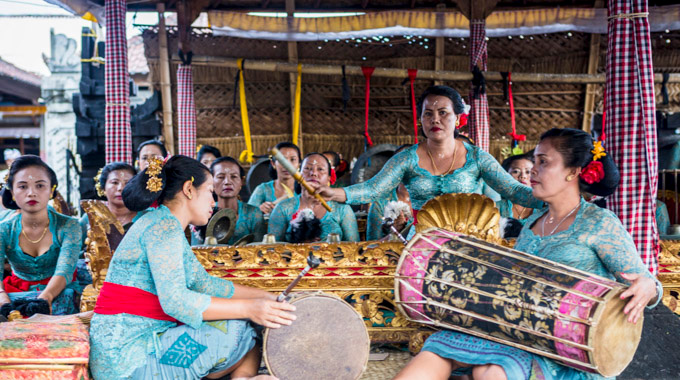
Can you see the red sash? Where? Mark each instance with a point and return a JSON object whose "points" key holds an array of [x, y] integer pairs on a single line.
{"points": [[117, 299], [14, 284]]}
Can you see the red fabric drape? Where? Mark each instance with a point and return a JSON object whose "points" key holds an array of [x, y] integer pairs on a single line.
{"points": [[186, 111], [479, 111], [368, 71], [412, 73], [118, 137], [513, 134], [630, 124]]}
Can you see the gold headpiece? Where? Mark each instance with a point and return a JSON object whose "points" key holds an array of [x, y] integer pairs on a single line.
{"points": [[155, 183], [97, 185]]}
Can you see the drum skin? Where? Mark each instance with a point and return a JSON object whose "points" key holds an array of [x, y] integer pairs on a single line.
{"points": [[328, 340], [482, 289]]}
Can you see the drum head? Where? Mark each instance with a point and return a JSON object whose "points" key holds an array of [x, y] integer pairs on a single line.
{"points": [[328, 340]]}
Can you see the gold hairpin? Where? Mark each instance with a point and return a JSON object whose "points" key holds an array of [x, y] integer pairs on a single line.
{"points": [[155, 183], [97, 185]]}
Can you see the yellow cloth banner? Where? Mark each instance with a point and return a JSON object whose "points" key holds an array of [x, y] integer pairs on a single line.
{"points": [[296, 113], [246, 155]]}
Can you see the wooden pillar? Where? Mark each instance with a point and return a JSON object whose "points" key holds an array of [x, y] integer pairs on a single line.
{"points": [[439, 53], [292, 77], [166, 91], [593, 63]]}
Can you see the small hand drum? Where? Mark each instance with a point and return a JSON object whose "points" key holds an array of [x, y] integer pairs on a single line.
{"points": [[328, 340]]}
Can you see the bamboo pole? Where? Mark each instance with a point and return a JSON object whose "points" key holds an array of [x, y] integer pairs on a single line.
{"points": [[388, 72], [166, 92], [593, 62]]}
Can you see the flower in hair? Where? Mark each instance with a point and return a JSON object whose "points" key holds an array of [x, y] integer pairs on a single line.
{"points": [[333, 177], [154, 183], [97, 184], [598, 150], [593, 172]]}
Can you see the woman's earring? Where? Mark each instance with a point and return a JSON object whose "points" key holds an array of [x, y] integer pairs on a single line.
{"points": [[570, 177], [190, 196]]}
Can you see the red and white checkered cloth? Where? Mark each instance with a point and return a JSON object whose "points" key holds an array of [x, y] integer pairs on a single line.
{"points": [[630, 124], [478, 120], [186, 111], [118, 137]]}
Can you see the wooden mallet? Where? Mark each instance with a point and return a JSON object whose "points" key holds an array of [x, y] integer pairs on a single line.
{"points": [[312, 262], [298, 177]]}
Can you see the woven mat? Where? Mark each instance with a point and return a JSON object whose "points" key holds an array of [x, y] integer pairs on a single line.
{"points": [[388, 368]]}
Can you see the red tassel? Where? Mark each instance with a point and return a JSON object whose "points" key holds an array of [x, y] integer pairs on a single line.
{"points": [[412, 73], [513, 134], [368, 71]]}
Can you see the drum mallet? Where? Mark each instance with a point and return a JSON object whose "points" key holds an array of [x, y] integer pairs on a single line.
{"points": [[390, 223], [312, 262], [298, 177]]}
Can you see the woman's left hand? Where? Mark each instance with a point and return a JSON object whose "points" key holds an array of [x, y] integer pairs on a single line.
{"points": [[47, 297], [642, 290]]}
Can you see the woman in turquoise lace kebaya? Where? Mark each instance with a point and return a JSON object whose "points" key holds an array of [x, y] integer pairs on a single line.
{"points": [[571, 232], [159, 314], [41, 245], [281, 186], [519, 167], [443, 164], [228, 181], [341, 221]]}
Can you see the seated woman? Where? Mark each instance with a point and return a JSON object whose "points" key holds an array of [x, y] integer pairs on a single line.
{"points": [[148, 150], [374, 226], [41, 245], [569, 231], [519, 166], [316, 170], [663, 222], [208, 154], [442, 164], [281, 187], [227, 182], [109, 184], [159, 314]]}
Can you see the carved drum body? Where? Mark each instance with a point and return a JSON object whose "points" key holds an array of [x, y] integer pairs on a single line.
{"points": [[469, 285]]}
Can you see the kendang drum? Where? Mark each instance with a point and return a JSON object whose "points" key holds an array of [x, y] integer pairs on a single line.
{"points": [[461, 283], [328, 340]]}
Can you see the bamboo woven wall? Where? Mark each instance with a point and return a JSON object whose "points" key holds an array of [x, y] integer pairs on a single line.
{"points": [[326, 126]]}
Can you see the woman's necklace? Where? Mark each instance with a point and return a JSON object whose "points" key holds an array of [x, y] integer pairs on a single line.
{"points": [[558, 224], [521, 211], [23, 231], [453, 160]]}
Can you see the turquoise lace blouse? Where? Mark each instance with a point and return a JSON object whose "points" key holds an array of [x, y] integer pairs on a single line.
{"points": [[341, 221], [505, 208], [59, 260], [264, 192], [422, 185], [153, 256], [596, 242]]}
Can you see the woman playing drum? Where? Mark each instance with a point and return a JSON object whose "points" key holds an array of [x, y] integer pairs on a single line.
{"points": [[443, 164], [159, 314], [570, 231]]}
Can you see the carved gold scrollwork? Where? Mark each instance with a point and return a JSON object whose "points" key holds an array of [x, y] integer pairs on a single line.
{"points": [[98, 251], [669, 273]]}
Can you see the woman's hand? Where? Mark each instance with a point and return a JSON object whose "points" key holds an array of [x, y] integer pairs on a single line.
{"points": [[47, 297], [400, 223], [642, 290], [4, 298], [331, 194], [270, 314], [267, 207]]}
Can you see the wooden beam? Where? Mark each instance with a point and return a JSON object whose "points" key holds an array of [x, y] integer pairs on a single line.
{"points": [[476, 9], [390, 72], [166, 92], [593, 63], [292, 77]]}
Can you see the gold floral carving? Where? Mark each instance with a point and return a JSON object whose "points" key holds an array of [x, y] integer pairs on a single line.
{"points": [[97, 249], [669, 273]]}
